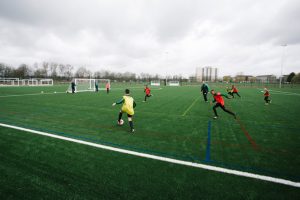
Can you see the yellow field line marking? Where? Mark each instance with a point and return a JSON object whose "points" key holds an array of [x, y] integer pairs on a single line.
{"points": [[187, 110]]}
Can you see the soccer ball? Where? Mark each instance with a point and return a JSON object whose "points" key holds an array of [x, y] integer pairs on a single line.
{"points": [[121, 122], [42, 91]]}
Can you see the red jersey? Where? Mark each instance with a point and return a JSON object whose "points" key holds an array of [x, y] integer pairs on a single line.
{"points": [[234, 89], [267, 93], [147, 90], [219, 99], [107, 86]]}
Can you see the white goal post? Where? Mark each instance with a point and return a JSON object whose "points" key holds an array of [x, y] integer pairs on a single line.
{"points": [[173, 83], [9, 82], [88, 84], [155, 83], [26, 82], [46, 82]]}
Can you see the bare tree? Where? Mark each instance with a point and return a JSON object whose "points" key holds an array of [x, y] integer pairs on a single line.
{"points": [[82, 72], [6, 70], [23, 71], [45, 68], [53, 70], [61, 70], [69, 71]]}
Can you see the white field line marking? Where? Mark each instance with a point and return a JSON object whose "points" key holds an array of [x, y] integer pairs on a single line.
{"points": [[284, 91], [165, 159], [187, 110], [20, 95], [33, 94], [281, 92]]}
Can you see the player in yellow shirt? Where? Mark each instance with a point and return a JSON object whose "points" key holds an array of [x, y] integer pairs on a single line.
{"points": [[127, 107]]}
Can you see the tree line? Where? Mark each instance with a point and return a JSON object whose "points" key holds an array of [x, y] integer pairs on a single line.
{"points": [[293, 78], [58, 71]]}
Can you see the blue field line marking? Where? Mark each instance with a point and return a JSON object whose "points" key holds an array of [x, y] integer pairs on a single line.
{"points": [[207, 155]]}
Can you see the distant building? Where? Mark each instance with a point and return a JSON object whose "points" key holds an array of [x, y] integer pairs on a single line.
{"points": [[227, 78], [206, 74], [243, 78], [266, 79], [192, 79]]}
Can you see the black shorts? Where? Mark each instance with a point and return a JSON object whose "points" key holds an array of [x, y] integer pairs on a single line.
{"points": [[148, 95], [129, 115]]}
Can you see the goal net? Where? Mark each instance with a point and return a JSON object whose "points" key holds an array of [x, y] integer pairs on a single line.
{"points": [[86, 85], [46, 82], [102, 83], [29, 82], [9, 82], [155, 83], [173, 83]]}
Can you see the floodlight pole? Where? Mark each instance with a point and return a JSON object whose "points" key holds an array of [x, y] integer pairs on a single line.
{"points": [[282, 59]]}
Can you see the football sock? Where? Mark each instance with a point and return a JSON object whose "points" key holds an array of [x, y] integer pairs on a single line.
{"points": [[131, 124], [120, 116]]}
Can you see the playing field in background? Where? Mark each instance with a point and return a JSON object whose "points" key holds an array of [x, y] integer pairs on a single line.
{"points": [[174, 123]]}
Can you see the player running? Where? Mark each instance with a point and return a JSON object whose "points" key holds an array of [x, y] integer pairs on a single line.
{"points": [[127, 107], [229, 91], [235, 91], [267, 95], [204, 90], [148, 93], [220, 103]]}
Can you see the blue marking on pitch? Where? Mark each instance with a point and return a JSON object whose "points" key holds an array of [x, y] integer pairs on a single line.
{"points": [[207, 155]]}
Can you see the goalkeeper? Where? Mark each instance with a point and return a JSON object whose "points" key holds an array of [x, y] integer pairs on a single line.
{"points": [[73, 85], [127, 107]]}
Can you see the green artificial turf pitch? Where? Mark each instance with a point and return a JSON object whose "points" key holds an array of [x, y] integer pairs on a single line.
{"points": [[174, 123]]}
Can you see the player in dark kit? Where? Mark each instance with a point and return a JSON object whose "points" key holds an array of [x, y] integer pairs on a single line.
{"points": [[96, 87], [220, 103], [148, 93], [235, 91], [73, 87], [267, 95], [204, 90]]}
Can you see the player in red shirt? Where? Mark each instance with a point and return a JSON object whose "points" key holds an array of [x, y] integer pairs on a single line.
{"points": [[267, 95], [107, 86], [220, 103], [234, 91], [148, 93]]}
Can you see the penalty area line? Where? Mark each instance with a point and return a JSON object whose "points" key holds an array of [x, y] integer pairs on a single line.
{"points": [[160, 158]]}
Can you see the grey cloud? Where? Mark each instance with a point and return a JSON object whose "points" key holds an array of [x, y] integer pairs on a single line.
{"points": [[233, 35]]}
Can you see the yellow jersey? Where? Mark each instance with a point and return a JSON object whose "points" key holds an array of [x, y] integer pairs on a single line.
{"points": [[128, 105]]}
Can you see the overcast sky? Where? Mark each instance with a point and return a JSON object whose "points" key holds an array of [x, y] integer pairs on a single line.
{"points": [[154, 36]]}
